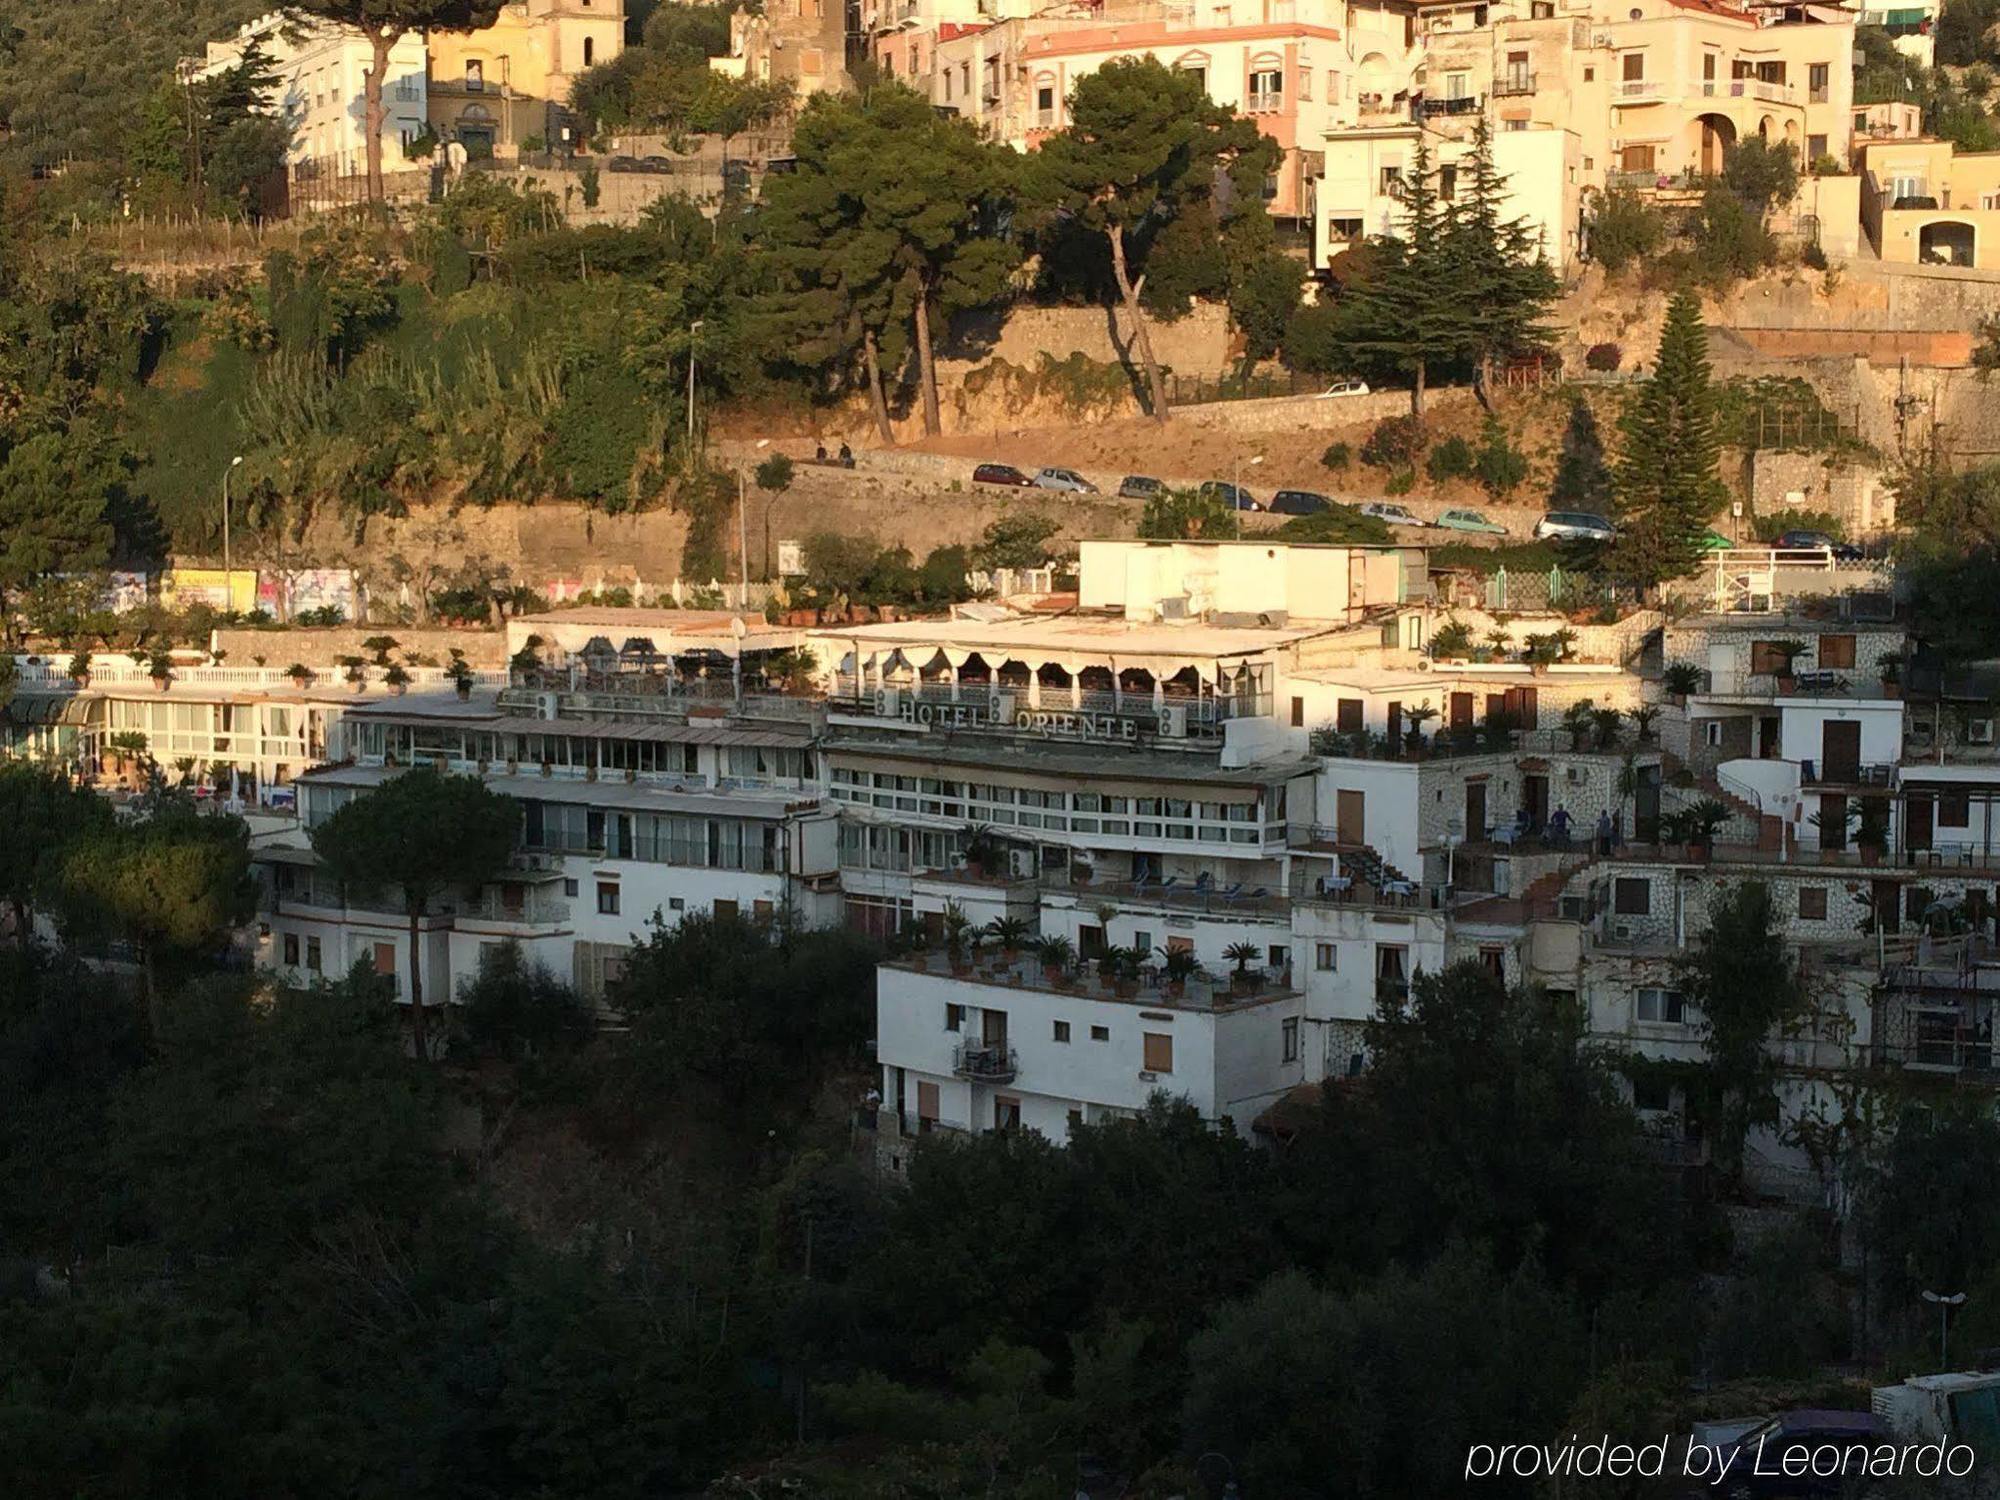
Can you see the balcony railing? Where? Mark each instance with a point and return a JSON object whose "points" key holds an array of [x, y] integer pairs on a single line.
{"points": [[1639, 88], [1854, 773], [984, 1063], [1509, 85], [1469, 104]]}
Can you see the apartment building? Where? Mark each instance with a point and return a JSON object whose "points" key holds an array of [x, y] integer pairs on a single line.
{"points": [[800, 42], [322, 73], [1913, 28], [1923, 202], [510, 82], [1584, 97], [654, 778]]}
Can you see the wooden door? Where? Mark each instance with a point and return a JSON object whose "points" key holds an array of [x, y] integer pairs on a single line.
{"points": [[1350, 818], [1535, 797], [1461, 710], [1475, 810], [993, 1027], [1395, 723], [1919, 818], [1840, 750]]}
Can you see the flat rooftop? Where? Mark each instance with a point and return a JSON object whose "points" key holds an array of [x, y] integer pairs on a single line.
{"points": [[633, 796], [1088, 634], [1100, 761]]}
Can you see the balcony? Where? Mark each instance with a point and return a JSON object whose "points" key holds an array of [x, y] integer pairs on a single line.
{"points": [[1850, 774], [984, 1062], [1512, 85], [1639, 91], [1432, 109]]}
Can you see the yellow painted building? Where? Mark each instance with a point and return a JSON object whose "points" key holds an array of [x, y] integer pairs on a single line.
{"points": [[1923, 203], [493, 89]]}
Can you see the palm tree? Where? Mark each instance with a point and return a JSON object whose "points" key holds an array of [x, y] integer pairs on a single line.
{"points": [[1579, 718], [1009, 933], [1606, 721], [1056, 953], [1416, 718], [1643, 719]]}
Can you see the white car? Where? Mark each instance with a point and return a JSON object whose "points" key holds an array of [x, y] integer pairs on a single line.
{"points": [[1064, 479], [1344, 388], [1389, 512], [1574, 525]]}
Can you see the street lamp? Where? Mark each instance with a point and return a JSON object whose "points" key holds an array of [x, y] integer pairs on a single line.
{"points": [[228, 587], [1944, 1306], [693, 329]]}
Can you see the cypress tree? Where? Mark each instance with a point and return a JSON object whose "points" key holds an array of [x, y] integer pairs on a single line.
{"points": [[1667, 485], [1409, 312], [1502, 282]]}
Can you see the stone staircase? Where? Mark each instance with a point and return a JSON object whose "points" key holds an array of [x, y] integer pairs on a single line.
{"points": [[1749, 825], [1367, 867]]}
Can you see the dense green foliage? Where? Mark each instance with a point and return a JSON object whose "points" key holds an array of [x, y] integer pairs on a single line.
{"points": [[1666, 483]]}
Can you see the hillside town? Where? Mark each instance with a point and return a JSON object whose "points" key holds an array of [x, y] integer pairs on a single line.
{"points": [[1103, 749]]}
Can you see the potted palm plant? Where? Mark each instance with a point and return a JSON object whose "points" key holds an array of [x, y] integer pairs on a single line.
{"points": [[1705, 819], [1891, 668], [79, 667], [1009, 933], [1579, 718], [1873, 833], [960, 938], [1605, 723], [398, 678], [1241, 980], [1681, 678], [1643, 719], [1416, 718], [160, 667], [1786, 674], [1056, 954], [459, 671], [1178, 966], [1836, 829], [354, 669], [300, 673]]}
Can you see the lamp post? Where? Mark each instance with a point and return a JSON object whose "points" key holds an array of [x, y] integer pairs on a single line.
{"points": [[1944, 1306], [693, 329], [228, 584]]}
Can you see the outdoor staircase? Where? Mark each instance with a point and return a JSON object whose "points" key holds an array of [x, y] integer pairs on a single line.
{"points": [[1770, 828], [1368, 867]]}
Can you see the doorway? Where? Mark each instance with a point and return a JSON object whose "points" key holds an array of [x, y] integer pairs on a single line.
{"points": [[1535, 798], [1475, 812], [1350, 818], [1840, 750], [1919, 820]]}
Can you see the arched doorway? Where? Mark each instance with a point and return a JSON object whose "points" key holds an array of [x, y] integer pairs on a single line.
{"points": [[1946, 243], [1718, 134]]}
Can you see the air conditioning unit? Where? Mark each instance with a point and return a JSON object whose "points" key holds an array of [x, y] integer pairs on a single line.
{"points": [[1173, 721], [546, 705], [1145, 1077], [1621, 932], [888, 702], [1979, 731]]}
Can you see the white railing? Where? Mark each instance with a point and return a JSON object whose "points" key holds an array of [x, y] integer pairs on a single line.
{"points": [[48, 673]]}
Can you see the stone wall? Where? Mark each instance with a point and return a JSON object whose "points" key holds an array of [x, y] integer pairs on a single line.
{"points": [[1857, 494], [1198, 344]]}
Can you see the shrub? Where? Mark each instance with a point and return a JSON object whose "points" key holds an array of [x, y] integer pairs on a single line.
{"points": [[1501, 467], [1731, 242], [1626, 228], [1814, 257], [1312, 339], [1451, 459], [1337, 456], [1761, 172], [1401, 482], [1606, 356], [1396, 443]]}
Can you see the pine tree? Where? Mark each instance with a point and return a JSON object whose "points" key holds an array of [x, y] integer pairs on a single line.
{"points": [[1667, 485], [1409, 312], [1503, 283], [1583, 479]]}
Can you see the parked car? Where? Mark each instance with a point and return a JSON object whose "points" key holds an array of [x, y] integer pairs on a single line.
{"points": [[1574, 525], [655, 164], [1140, 487], [1754, 1454], [1817, 541], [622, 164], [1469, 520], [1390, 513], [1298, 503], [1233, 496], [1065, 479], [1344, 388], [1005, 474]]}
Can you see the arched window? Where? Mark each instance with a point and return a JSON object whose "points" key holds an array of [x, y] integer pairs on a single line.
{"points": [[1267, 84], [1197, 64], [1045, 101], [589, 50]]}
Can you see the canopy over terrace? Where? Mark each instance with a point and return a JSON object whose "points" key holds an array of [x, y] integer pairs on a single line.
{"points": [[1076, 662]]}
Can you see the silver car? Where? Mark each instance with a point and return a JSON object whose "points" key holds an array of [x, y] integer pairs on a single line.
{"points": [[1390, 513], [1064, 479], [1574, 525]]}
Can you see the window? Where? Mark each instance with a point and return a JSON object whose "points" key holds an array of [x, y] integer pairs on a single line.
{"points": [[1061, 1032], [589, 50], [1006, 1112], [1159, 1052], [312, 954], [1347, 716], [1590, 75], [1836, 651], [1298, 713], [475, 76], [724, 911], [1541, 10], [1812, 903], [607, 898], [1447, 183], [1494, 961], [1100, 1033], [1816, 82], [291, 950], [1711, 732], [1391, 182], [1458, 85], [1954, 809], [1652, 1095], [1815, 148], [569, 887], [1289, 1036], [1633, 65], [1632, 897], [1045, 106], [1267, 89], [1660, 1007], [1391, 972], [954, 1017], [927, 1101], [1326, 957]]}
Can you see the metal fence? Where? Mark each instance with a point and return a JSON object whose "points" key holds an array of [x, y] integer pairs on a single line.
{"points": [[1193, 390], [1554, 589]]}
